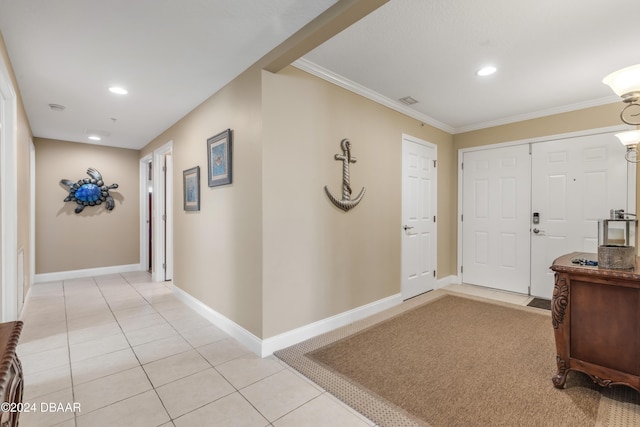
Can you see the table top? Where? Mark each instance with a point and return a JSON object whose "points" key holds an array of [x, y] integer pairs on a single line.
{"points": [[563, 264]]}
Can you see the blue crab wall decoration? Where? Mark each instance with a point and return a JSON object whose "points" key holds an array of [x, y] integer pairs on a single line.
{"points": [[89, 192]]}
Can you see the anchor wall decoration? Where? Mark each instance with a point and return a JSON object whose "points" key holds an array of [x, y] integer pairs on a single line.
{"points": [[346, 202]]}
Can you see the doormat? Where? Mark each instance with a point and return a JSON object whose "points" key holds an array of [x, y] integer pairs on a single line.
{"points": [[540, 303]]}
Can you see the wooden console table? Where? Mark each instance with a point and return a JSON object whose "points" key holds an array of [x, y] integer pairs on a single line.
{"points": [[596, 319], [11, 377]]}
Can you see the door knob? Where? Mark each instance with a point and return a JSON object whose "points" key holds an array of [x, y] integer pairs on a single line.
{"points": [[536, 231], [406, 227]]}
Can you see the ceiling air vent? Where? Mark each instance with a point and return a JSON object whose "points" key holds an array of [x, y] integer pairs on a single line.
{"points": [[57, 107], [407, 100]]}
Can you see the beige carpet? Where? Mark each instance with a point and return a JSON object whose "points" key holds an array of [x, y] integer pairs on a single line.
{"points": [[445, 360]]}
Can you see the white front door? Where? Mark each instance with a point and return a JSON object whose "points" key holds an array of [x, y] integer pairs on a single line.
{"points": [[495, 218], [418, 216], [575, 182]]}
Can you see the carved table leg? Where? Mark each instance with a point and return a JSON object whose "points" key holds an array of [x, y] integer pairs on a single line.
{"points": [[560, 378], [560, 320]]}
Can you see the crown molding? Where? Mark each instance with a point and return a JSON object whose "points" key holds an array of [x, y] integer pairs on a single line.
{"points": [[354, 87], [331, 77], [538, 114]]}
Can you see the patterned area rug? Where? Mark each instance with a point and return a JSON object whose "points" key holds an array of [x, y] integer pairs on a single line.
{"points": [[443, 360]]}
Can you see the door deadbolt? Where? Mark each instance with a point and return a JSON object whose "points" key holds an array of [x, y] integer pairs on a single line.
{"points": [[536, 218]]}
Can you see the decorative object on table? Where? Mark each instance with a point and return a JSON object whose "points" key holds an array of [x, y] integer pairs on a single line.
{"points": [[191, 189], [617, 241], [346, 202], [89, 192], [219, 158]]}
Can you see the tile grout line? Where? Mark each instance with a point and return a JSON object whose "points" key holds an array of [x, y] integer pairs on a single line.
{"points": [[131, 347], [66, 319], [192, 348], [236, 390]]}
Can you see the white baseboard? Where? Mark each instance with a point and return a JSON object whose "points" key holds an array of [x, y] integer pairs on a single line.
{"points": [[311, 330], [89, 272], [236, 331], [266, 347], [447, 281]]}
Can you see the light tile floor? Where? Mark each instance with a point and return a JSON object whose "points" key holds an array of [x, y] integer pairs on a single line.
{"points": [[128, 352]]}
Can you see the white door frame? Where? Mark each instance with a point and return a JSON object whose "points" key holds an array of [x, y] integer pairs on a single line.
{"points": [[461, 152], [144, 211], [162, 241], [32, 213], [8, 195]]}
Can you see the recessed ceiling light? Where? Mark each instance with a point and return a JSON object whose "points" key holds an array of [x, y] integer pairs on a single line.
{"points": [[118, 90], [94, 138], [486, 71]]}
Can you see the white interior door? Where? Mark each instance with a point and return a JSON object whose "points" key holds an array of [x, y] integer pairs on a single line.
{"points": [[495, 218], [418, 216], [576, 181], [162, 214], [168, 272]]}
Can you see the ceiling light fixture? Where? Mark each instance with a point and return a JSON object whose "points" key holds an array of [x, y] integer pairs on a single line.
{"points": [[486, 71], [95, 138], [118, 90], [630, 140], [626, 84]]}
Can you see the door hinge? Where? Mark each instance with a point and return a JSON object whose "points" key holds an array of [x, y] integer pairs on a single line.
{"points": [[461, 217], [434, 218], [164, 266], [164, 217], [462, 166], [164, 169], [434, 273], [461, 269], [435, 163]]}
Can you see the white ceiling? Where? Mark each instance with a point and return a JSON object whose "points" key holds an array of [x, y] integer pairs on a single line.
{"points": [[551, 56], [172, 55]]}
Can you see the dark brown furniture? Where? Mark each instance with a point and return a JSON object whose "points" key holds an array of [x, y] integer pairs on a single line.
{"points": [[596, 319], [11, 377]]}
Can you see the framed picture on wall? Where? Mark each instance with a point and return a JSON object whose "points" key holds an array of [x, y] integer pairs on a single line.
{"points": [[191, 189], [219, 158]]}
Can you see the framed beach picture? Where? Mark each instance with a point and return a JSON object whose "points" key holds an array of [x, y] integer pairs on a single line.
{"points": [[219, 158], [191, 188]]}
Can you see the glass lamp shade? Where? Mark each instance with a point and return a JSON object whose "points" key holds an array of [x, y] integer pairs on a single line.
{"points": [[624, 82], [631, 137]]}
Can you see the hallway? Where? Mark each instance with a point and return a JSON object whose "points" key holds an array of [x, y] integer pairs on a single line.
{"points": [[130, 353]]}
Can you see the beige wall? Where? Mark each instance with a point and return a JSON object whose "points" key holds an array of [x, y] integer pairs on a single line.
{"points": [[573, 121], [23, 144], [218, 250], [269, 252], [96, 237], [318, 260]]}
